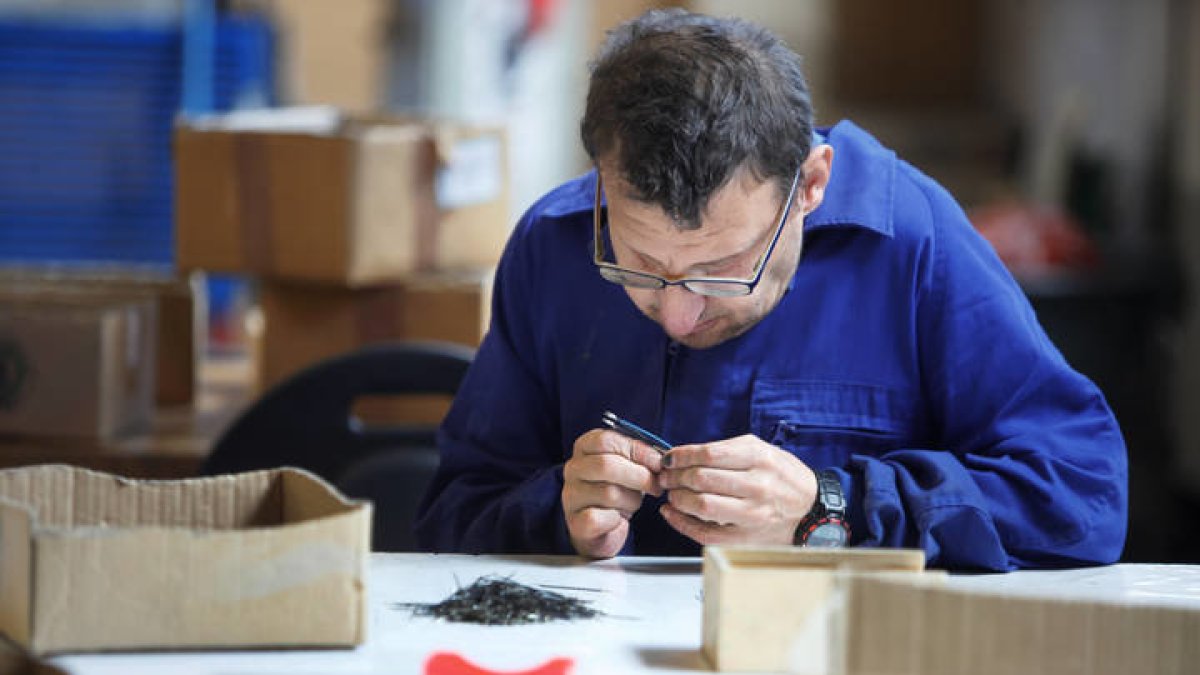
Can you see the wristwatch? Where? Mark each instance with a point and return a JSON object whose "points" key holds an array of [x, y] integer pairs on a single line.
{"points": [[825, 525]]}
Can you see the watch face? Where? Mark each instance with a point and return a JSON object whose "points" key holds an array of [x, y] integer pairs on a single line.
{"points": [[827, 535]]}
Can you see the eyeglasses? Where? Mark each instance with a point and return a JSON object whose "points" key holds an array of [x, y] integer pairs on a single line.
{"points": [[717, 287]]}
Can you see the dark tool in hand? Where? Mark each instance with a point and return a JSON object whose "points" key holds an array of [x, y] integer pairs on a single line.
{"points": [[614, 422]]}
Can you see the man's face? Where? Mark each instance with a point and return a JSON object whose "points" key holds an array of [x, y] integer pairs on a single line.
{"points": [[736, 229]]}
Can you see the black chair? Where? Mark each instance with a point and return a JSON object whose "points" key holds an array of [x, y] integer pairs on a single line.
{"points": [[307, 421]]}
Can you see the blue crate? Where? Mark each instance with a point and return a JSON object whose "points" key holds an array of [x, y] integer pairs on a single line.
{"points": [[86, 112]]}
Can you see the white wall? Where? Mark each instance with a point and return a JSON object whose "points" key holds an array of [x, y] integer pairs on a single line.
{"points": [[540, 98], [1092, 69], [805, 25]]}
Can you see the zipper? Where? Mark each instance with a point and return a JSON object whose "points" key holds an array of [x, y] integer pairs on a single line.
{"points": [[672, 354], [799, 427]]}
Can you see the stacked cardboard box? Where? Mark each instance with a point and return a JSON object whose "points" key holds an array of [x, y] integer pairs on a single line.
{"points": [[76, 367], [313, 195], [179, 339], [360, 229]]}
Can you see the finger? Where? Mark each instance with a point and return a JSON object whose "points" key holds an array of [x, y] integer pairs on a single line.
{"points": [[604, 441], [614, 469], [597, 533], [699, 531], [712, 508], [581, 495], [743, 452], [728, 482]]}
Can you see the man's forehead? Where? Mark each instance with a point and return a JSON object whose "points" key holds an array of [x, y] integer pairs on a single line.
{"points": [[741, 192]]}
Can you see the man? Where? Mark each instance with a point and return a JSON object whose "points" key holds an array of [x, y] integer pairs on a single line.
{"points": [[812, 322]]}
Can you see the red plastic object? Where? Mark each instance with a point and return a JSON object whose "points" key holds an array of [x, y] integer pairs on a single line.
{"points": [[447, 663], [1035, 240]]}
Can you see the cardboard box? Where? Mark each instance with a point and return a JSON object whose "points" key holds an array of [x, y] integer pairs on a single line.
{"points": [[765, 605], [76, 369], [899, 627], [16, 661], [304, 324], [312, 195], [844, 613], [92, 561], [182, 314], [333, 52], [924, 55]]}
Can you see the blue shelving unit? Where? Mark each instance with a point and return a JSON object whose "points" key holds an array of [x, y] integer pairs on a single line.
{"points": [[85, 131]]}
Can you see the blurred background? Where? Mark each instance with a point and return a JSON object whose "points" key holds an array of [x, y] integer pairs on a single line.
{"points": [[166, 244]]}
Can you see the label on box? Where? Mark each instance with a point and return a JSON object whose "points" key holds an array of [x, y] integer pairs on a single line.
{"points": [[472, 173]]}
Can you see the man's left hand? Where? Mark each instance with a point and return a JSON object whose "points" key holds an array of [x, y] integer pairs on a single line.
{"points": [[737, 491]]}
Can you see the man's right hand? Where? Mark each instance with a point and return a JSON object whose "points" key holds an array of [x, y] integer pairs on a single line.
{"points": [[603, 485]]}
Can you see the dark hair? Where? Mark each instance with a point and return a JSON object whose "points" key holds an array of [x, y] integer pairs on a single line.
{"points": [[686, 99]]}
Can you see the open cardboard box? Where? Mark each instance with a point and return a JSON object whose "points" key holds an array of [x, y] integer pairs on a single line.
{"points": [[91, 561], [770, 609], [898, 627], [873, 612]]}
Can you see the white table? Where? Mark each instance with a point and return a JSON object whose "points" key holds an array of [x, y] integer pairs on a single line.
{"points": [[652, 623]]}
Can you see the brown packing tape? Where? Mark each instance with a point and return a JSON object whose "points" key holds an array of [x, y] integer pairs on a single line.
{"points": [[425, 208], [254, 199]]}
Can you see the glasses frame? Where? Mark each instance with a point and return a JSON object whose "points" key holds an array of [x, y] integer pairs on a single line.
{"points": [[624, 276]]}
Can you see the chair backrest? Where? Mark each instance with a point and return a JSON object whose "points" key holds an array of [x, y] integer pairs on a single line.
{"points": [[307, 421]]}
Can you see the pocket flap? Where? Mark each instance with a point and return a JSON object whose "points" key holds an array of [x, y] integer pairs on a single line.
{"points": [[835, 405]]}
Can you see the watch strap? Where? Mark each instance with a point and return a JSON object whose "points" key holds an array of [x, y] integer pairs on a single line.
{"points": [[828, 508]]}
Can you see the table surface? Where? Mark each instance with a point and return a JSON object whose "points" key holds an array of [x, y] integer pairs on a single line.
{"points": [[651, 623]]}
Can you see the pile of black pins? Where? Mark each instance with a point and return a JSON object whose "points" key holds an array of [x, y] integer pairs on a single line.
{"points": [[497, 601]]}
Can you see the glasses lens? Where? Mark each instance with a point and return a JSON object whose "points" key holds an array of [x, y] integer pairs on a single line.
{"points": [[629, 278], [719, 289]]}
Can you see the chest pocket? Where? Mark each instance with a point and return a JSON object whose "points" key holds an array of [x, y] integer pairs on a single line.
{"points": [[823, 423]]}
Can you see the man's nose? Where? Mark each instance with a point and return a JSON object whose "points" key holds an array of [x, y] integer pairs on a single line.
{"points": [[680, 309]]}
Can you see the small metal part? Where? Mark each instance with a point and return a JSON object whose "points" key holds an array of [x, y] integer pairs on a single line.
{"points": [[495, 601]]}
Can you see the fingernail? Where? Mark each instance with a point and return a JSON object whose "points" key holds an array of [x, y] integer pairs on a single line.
{"points": [[666, 460]]}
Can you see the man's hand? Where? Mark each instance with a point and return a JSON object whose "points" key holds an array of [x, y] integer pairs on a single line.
{"points": [[737, 491], [603, 485]]}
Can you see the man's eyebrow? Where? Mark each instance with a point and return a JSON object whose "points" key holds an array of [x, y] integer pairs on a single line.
{"points": [[708, 263]]}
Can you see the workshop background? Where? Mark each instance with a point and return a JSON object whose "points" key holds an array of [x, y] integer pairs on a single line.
{"points": [[140, 313]]}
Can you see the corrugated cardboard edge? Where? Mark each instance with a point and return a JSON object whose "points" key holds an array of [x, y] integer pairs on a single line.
{"points": [[16, 570], [127, 602]]}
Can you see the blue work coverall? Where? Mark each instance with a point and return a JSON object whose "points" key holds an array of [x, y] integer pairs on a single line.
{"points": [[903, 356]]}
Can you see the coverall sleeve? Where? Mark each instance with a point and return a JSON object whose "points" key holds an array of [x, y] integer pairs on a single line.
{"points": [[498, 486], [1030, 469]]}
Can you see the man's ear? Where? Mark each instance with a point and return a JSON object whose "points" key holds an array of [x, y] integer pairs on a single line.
{"points": [[817, 170]]}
